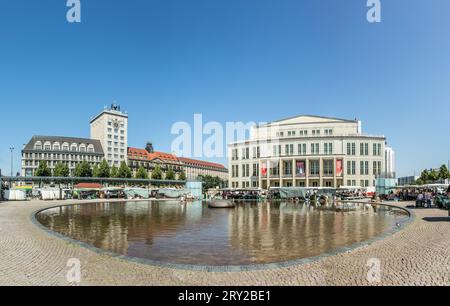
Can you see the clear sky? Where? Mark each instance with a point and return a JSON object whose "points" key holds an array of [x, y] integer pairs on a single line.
{"points": [[231, 60]]}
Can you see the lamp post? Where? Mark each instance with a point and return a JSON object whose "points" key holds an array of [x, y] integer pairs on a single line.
{"points": [[12, 159]]}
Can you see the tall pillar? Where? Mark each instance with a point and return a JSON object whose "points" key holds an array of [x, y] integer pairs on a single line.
{"points": [[280, 170], [259, 172], [334, 172], [320, 172], [293, 172], [306, 172]]}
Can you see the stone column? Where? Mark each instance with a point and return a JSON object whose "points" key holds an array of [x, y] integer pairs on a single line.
{"points": [[334, 172], [293, 172], [320, 172], [306, 172], [280, 170]]}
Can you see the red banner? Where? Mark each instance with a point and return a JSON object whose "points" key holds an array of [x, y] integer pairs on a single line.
{"points": [[300, 168], [264, 169], [339, 169]]}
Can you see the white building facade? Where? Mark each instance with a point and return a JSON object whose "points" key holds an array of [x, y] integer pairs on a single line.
{"points": [[195, 168], [110, 127], [389, 161], [55, 150], [307, 151]]}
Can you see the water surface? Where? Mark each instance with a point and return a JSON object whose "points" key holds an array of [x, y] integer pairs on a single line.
{"points": [[194, 234]]}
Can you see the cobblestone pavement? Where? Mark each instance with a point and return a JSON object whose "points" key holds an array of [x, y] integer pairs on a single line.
{"points": [[416, 255]]}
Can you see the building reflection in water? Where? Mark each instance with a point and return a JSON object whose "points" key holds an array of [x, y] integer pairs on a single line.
{"points": [[192, 233]]}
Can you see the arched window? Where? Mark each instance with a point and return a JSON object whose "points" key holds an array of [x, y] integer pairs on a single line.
{"points": [[56, 146], [65, 146], [74, 147], [47, 146], [38, 145]]}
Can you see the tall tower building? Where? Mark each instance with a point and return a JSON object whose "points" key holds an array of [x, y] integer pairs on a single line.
{"points": [[111, 128], [390, 162]]}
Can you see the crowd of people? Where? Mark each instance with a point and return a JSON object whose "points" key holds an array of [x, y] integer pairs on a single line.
{"points": [[424, 197]]}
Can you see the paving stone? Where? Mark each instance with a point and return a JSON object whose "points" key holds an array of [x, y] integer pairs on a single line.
{"points": [[417, 255]]}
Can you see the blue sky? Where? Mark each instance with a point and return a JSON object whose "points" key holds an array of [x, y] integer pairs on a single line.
{"points": [[231, 60]]}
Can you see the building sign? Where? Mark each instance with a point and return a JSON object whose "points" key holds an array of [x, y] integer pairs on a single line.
{"points": [[300, 168], [339, 169]]}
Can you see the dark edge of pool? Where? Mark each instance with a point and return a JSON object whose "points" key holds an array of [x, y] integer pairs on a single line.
{"points": [[238, 268]]}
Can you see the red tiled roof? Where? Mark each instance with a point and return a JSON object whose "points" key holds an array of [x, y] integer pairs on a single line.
{"points": [[143, 154], [201, 163], [135, 153], [164, 156]]}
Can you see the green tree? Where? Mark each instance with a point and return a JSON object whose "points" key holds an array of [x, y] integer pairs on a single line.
{"points": [[103, 169], [142, 173], [210, 182], [124, 170], [95, 172], [444, 173], [61, 170], [425, 176], [170, 175], [43, 170], [419, 182], [83, 169], [157, 173], [114, 172], [433, 175], [182, 176]]}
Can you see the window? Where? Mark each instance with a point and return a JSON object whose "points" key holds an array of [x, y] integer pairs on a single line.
{"points": [[289, 149], [315, 149], [351, 167], [364, 149], [302, 149], [304, 133], [376, 168], [328, 167], [314, 168], [377, 149], [328, 148], [234, 154], [287, 168], [274, 169], [329, 132], [351, 148], [255, 170], [364, 168]]}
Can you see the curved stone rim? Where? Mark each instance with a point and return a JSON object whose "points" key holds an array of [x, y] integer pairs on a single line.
{"points": [[237, 268]]}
